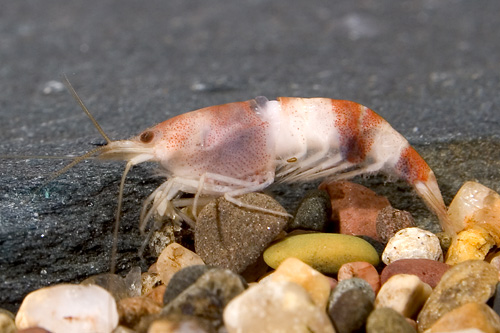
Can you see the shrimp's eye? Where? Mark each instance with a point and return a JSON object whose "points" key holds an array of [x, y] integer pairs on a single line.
{"points": [[147, 137]]}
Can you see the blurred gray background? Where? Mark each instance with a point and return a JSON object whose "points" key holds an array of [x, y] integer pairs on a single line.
{"points": [[430, 67]]}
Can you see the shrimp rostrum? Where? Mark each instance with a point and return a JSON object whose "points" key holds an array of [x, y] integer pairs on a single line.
{"points": [[233, 149]]}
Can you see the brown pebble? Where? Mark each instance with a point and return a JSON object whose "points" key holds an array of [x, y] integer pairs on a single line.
{"points": [[362, 270], [157, 293], [132, 309], [33, 330], [429, 271], [355, 207], [391, 220], [468, 316], [232, 237]]}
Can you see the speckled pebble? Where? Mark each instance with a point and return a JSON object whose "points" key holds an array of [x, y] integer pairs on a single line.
{"points": [[313, 212], [182, 280], [412, 243], [69, 308], [231, 237], [275, 306], [315, 283], [350, 311], [356, 207], [390, 220], [386, 320], [404, 293], [470, 281], [353, 283], [362, 270], [324, 252], [429, 271], [468, 316], [207, 297], [174, 258]]}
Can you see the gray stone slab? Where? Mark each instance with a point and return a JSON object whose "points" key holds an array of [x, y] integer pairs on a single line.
{"points": [[429, 67]]}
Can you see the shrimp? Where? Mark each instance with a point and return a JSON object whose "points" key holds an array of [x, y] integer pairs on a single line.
{"points": [[237, 148]]}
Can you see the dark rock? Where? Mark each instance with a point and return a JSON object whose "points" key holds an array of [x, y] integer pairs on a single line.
{"points": [[429, 271], [350, 311], [351, 284], [390, 220], [232, 237], [387, 320], [313, 212], [207, 297]]}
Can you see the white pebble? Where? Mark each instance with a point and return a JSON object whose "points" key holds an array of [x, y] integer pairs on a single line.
{"points": [[404, 293], [275, 306], [69, 308], [412, 243]]}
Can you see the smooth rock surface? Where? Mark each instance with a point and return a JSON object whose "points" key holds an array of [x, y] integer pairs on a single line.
{"points": [[350, 311], [313, 212], [207, 297], [7, 324], [182, 280], [174, 258], [387, 320], [470, 281], [362, 270], [315, 283], [390, 220], [403, 293], [349, 284], [69, 308], [429, 271], [356, 207], [231, 237], [275, 306], [412, 243], [324, 252], [468, 316], [177, 323]]}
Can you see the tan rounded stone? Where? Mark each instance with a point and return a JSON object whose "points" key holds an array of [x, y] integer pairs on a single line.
{"points": [[468, 316], [174, 258]]}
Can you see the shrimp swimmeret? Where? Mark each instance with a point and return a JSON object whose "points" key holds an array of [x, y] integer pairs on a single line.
{"points": [[242, 147]]}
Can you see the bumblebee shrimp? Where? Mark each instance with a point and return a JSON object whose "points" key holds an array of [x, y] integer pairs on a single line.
{"points": [[242, 147]]}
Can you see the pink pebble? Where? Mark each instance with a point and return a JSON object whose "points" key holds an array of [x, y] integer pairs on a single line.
{"points": [[362, 270], [429, 271]]}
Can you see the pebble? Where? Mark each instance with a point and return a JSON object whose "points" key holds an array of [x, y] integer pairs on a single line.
{"points": [[207, 297], [69, 308], [353, 283], [494, 302], [157, 294], [470, 244], [355, 207], [412, 243], [149, 281], [387, 320], [132, 309], [129, 286], [404, 293], [391, 220], [173, 258], [476, 205], [360, 269], [180, 324], [470, 281], [315, 283], [468, 316], [429, 271], [313, 212], [182, 280], [275, 306], [324, 252], [7, 324], [350, 311], [231, 237], [34, 330]]}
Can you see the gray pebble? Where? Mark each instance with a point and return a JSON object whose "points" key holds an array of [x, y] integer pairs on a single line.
{"points": [[183, 279], [350, 311], [313, 212], [349, 284], [387, 320]]}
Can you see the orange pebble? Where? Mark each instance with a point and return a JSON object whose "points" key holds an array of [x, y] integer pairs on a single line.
{"points": [[362, 270]]}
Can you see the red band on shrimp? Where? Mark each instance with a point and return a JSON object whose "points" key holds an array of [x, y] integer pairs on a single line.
{"points": [[412, 167]]}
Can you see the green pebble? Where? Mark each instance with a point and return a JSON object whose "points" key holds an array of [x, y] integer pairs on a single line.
{"points": [[324, 252]]}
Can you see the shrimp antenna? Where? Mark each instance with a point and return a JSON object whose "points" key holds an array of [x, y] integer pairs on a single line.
{"points": [[84, 108]]}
